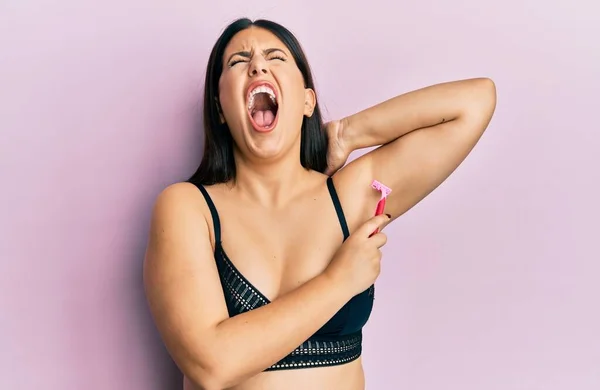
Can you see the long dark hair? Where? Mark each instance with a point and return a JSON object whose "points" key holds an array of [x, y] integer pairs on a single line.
{"points": [[218, 165]]}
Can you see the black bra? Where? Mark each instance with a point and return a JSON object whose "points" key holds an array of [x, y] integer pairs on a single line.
{"points": [[339, 341]]}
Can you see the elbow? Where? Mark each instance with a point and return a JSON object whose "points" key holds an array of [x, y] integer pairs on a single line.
{"points": [[211, 377], [490, 93], [480, 101], [487, 93], [204, 378]]}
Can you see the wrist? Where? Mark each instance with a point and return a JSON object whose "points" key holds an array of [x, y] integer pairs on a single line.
{"points": [[347, 136], [355, 132], [339, 286]]}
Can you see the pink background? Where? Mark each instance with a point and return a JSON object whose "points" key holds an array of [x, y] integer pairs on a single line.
{"points": [[490, 283]]}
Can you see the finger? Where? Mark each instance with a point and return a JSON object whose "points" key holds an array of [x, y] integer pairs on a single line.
{"points": [[374, 224], [379, 239]]}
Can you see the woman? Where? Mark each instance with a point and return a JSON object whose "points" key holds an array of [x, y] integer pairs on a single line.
{"points": [[260, 269]]}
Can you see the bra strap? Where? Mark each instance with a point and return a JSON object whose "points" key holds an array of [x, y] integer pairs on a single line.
{"points": [[338, 207], [213, 212]]}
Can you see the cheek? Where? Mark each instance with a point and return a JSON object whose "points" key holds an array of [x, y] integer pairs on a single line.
{"points": [[227, 93], [295, 98]]}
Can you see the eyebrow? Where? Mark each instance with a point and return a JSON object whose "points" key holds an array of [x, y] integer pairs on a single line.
{"points": [[247, 54]]}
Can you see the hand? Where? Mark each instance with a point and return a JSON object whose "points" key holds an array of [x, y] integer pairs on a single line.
{"points": [[338, 150], [356, 264]]}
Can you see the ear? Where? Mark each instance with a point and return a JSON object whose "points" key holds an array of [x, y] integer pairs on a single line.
{"points": [[310, 101], [221, 117]]}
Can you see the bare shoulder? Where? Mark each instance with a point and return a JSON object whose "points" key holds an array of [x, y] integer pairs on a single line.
{"points": [[176, 198], [179, 208]]}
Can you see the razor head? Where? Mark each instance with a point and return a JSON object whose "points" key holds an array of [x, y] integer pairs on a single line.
{"points": [[385, 190]]}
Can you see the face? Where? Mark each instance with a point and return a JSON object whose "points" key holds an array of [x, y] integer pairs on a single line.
{"points": [[262, 95]]}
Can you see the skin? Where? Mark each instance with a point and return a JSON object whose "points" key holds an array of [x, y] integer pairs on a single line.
{"points": [[279, 226]]}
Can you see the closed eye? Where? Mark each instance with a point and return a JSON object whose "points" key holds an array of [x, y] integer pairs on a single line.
{"points": [[277, 57], [233, 62], [240, 56]]}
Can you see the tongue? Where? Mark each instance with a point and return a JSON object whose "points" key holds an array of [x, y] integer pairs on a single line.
{"points": [[263, 118]]}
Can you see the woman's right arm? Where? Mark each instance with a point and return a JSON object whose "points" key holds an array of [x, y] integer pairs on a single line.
{"points": [[186, 300]]}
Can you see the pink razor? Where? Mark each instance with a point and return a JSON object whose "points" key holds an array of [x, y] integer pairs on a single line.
{"points": [[385, 191]]}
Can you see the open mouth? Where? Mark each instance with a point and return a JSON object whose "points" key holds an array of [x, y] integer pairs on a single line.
{"points": [[262, 107]]}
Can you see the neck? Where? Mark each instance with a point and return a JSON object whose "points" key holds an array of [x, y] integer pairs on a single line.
{"points": [[271, 184]]}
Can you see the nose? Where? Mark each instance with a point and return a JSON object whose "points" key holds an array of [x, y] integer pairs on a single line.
{"points": [[257, 67]]}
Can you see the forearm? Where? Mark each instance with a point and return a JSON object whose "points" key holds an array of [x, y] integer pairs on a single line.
{"points": [[247, 344], [415, 110]]}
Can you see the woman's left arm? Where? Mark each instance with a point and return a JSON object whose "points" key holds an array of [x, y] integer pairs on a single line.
{"points": [[424, 136]]}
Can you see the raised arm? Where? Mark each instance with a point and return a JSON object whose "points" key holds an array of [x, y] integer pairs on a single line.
{"points": [[186, 298], [425, 134]]}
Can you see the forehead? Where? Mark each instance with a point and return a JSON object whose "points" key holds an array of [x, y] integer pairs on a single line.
{"points": [[253, 38]]}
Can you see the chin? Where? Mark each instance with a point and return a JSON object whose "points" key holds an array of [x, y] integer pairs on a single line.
{"points": [[266, 148], [271, 146]]}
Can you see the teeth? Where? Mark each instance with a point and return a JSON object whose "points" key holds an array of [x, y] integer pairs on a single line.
{"points": [[261, 89]]}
